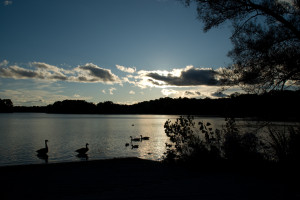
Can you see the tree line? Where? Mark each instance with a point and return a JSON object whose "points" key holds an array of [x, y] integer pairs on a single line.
{"points": [[281, 105]]}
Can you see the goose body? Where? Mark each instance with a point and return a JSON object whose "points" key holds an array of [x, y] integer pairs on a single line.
{"points": [[43, 151], [135, 139], [83, 150], [127, 144], [144, 138]]}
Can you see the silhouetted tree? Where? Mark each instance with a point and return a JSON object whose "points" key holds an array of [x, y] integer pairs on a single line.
{"points": [[72, 106], [266, 40], [6, 105]]}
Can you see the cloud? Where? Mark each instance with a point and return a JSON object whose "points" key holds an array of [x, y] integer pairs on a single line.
{"points": [[7, 3], [189, 76], [86, 73], [168, 92], [4, 63], [218, 94], [128, 69], [192, 93], [92, 73], [36, 97], [131, 92], [76, 96], [111, 90], [17, 72], [184, 77], [41, 72]]}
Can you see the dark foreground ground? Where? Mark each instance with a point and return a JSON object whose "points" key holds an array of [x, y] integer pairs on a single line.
{"points": [[133, 178]]}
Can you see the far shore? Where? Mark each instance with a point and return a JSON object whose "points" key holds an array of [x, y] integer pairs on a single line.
{"points": [[134, 178]]}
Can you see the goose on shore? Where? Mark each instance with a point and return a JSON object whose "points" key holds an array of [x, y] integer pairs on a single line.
{"points": [[135, 139], [144, 138], [43, 151], [83, 150]]}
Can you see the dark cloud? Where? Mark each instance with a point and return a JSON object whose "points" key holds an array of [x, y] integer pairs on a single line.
{"points": [[189, 93], [58, 77], [189, 77], [219, 94], [98, 74], [18, 73], [155, 82], [86, 73], [192, 93]]}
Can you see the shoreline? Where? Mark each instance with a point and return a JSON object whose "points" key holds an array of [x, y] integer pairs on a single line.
{"points": [[135, 178]]}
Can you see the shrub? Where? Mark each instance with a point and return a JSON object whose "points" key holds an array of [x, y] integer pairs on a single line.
{"points": [[285, 145], [202, 143]]}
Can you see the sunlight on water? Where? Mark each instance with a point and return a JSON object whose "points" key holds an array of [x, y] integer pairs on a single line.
{"points": [[21, 134]]}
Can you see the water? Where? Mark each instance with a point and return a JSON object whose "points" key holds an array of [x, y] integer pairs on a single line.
{"points": [[21, 134]]}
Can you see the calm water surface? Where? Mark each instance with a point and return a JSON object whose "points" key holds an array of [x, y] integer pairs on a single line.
{"points": [[21, 134]]}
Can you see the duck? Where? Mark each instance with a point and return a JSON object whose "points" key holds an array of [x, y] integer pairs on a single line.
{"points": [[83, 150], [134, 146], [135, 139], [144, 138], [43, 151]]}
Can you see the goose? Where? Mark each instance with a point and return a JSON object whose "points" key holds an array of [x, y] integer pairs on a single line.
{"points": [[83, 150], [168, 145], [134, 146], [43, 151], [135, 139], [144, 138], [127, 144]]}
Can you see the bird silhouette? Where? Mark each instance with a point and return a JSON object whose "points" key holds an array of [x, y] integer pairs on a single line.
{"points": [[127, 144], [135, 139], [43, 151], [134, 146], [144, 138], [83, 150]]}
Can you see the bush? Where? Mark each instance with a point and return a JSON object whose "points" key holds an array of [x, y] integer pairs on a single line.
{"points": [[285, 145], [202, 143]]}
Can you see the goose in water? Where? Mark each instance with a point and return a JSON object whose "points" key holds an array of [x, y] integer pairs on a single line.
{"points": [[43, 151], [144, 138], [134, 146], [83, 150], [135, 139]]}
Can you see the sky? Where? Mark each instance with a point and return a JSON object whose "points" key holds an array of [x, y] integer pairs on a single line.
{"points": [[107, 50]]}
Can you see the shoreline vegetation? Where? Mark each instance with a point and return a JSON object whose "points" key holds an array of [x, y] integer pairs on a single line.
{"points": [[201, 163], [275, 105]]}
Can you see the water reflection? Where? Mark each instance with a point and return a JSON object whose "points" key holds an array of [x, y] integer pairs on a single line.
{"points": [[82, 156], [43, 157], [106, 134]]}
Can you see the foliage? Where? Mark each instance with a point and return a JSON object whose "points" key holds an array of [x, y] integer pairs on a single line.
{"points": [[72, 106], [191, 143], [239, 146], [266, 41], [6, 105], [202, 143], [285, 144]]}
